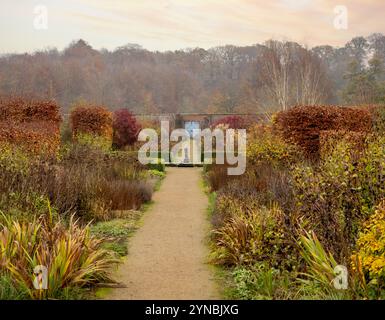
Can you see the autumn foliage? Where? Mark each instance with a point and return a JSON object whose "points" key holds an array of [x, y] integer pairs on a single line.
{"points": [[27, 110], [232, 122], [329, 138], [93, 120], [303, 125], [30, 124], [126, 128]]}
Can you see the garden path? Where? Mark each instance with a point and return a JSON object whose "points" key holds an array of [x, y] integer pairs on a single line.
{"points": [[168, 255]]}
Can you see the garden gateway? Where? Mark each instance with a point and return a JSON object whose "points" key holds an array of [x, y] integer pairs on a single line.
{"points": [[188, 147]]}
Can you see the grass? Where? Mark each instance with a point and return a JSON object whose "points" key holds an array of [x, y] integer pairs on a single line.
{"points": [[8, 291], [118, 231], [221, 276], [102, 293], [159, 175], [116, 228], [211, 207]]}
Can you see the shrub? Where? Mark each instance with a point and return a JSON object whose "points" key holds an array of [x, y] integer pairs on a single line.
{"points": [[329, 139], [258, 235], [16, 109], [260, 282], [92, 120], [30, 125], [368, 260], [124, 194], [125, 127], [302, 125], [94, 141], [217, 176], [247, 193], [20, 175], [378, 114], [126, 164], [94, 184], [72, 257], [260, 186], [266, 148], [335, 197], [84, 181], [157, 174], [36, 138], [13, 159], [226, 206], [66, 133]]}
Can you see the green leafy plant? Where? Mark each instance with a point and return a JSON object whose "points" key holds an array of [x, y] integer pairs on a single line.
{"points": [[260, 282], [71, 255], [265, 147], [93, 140], [320, 263], [336, 196], [320, 271]]}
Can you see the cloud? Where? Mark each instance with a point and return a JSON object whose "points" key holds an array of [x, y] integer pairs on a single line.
{"points": [[173, 24]]}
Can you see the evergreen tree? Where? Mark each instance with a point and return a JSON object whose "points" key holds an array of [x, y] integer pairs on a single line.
{"points": [[364, 85]]}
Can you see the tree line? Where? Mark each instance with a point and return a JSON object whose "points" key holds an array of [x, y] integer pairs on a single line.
{"points": [[227, 79]]}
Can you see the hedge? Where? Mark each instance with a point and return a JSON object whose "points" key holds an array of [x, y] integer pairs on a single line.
{"points": [[93, 120], [33, 125], [302, 125]]}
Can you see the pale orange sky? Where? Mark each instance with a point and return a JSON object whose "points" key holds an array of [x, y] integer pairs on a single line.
{"points": [[174, 24]]}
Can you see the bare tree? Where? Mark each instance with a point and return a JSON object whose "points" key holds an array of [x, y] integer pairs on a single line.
{"points": [[257, 78], [288, 75], [311, 81]]}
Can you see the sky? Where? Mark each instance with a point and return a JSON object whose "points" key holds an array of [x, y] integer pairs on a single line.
{"points": [[176, 24]]}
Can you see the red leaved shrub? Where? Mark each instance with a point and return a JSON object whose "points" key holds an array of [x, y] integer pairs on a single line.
{"points": [[94, 120], [126, 128], [302, 125]]}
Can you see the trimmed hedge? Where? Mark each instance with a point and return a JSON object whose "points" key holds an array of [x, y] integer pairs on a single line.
{"points": [[93, 120], [32, 125], [303, 125], [28, 110], [39, 137]]}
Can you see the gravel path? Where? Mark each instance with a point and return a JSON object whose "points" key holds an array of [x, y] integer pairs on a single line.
{"points": [[167, 256]]}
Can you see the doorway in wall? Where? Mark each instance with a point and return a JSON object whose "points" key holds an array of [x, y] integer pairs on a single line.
{"points": [[190, 126]]}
